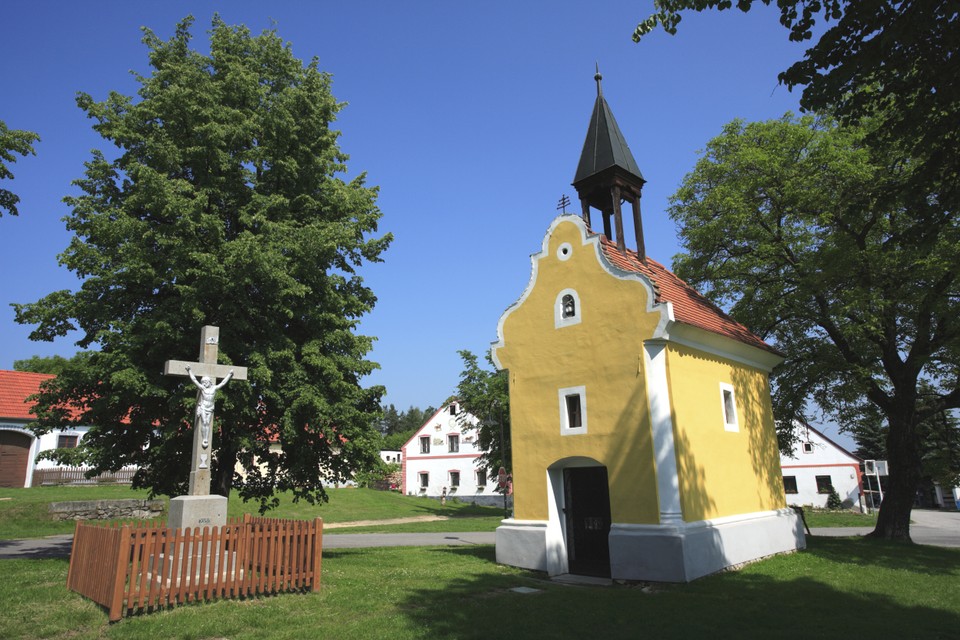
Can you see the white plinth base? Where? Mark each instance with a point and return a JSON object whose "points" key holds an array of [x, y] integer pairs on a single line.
{"points": [[660, 553], [197, 511]]}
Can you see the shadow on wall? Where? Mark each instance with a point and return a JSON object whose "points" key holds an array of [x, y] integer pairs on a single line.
{"points": [[752, 603], [763, 450]]}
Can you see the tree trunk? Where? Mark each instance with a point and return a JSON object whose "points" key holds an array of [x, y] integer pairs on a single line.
{"points": [[222, 480], [903, 455]]}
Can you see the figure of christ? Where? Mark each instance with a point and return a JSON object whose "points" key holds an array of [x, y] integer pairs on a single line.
{"points": [[205, 406]]}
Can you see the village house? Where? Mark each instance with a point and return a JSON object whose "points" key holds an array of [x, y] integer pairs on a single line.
{"points": [[19, 447], [442, 458], [644, 445], [817, 464]]}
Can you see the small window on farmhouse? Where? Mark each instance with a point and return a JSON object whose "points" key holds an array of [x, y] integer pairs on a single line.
{"points": [[573, 411], [424, 444], [824, 484], [424, 480], [453, 443], [790, 484], [481, 478], [453, 409], [67, 442], [454, 479], [808, 447], [729, 407]]}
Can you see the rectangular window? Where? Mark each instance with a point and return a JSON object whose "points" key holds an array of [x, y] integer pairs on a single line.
{"points": [[790, 484], [454, 479], [424, 479], [453, 409], [573, 410], [808, 447], [824, 484], [729, 407], [453, 443], [67, 442], [424, 444], [574, 419], [481, 478]]}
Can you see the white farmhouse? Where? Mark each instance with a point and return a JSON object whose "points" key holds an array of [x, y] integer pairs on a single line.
{"points": [[19, 448], [816, 464], [442, 455]]}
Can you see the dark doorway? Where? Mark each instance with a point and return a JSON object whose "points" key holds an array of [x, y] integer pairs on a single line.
{"points": [[587, 512]]}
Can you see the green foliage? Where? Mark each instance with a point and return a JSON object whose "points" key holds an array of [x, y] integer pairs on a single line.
{"points": [[12, 141], [79, 456], [816, 241], [833, 500], [483, 392], [41, 364], [223, 206]]}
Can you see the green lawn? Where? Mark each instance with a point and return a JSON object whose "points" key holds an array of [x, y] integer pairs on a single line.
{"points": [[23, 512], [839, 519], [838, 588]]}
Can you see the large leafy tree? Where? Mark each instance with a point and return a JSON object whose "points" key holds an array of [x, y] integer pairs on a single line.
{"points": [[222, 206], [484, 393], [807, 232], [12, 141]]}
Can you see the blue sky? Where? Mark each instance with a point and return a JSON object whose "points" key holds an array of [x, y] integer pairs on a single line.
{"points": [[469, 116]]}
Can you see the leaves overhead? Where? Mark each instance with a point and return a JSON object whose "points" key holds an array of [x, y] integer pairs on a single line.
{"points": [[222, 206], [12, 141]]}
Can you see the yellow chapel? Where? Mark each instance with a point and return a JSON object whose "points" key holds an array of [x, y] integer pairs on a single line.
{"points": [[644, 445]]}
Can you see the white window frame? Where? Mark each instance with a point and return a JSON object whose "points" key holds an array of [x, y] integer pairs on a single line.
{"points": [[422, 439], [454, 487], [424, 480], [558, 320], [565, 429], [728, 425], [450, 439]]}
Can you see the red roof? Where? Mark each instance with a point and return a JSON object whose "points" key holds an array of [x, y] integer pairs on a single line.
{"points": [[689, 307], [15, 388]]}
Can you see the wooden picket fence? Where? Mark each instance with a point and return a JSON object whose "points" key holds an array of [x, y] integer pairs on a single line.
{"points": [[78, 475], [129, 568]]}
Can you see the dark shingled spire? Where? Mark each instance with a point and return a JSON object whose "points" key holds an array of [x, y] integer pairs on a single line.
{"points": [[604, 146], [608, 175]]}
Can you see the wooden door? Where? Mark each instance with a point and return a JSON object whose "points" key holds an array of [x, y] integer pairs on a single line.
{"points": [[14, 455], [587, 509]]}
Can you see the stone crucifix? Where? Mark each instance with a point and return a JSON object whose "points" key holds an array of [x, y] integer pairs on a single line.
{"points": [[204, 375]]}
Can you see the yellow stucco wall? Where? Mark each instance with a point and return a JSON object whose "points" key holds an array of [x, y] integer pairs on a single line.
{"points": [[722, 473], [604, 353]]}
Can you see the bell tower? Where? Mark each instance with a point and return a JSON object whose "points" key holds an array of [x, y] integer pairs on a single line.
{"points": [[608, 175]]}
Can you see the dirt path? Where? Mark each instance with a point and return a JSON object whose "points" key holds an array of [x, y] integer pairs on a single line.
{"points": [[374, 523]]}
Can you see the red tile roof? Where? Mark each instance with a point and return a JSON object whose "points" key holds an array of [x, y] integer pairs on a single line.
{"points": [[689, 307], [15, 388]]}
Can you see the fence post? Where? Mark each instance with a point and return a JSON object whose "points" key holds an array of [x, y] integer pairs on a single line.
{"points": [[317, 552], [120, 573]]}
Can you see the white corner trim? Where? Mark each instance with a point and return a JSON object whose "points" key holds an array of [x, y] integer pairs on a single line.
{"points": [[661, 424]]}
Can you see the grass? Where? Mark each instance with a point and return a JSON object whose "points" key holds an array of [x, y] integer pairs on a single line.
{"points": [[838, 588], [23, 512], [839, 519]]}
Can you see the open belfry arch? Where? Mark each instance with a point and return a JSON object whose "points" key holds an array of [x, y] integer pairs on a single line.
{"points": [[644, 445]]}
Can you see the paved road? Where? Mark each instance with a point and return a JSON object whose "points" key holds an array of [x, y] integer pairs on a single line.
{"points": [[938, 528]]}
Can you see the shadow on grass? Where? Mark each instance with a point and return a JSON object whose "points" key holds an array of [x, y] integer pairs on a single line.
{"points": [[907, 556], [797, 597]]}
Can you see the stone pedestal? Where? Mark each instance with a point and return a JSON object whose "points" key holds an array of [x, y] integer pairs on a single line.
{"points": [[197, 511]]}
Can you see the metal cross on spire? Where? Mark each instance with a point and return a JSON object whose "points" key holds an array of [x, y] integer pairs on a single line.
{"points": [[598, 78]]}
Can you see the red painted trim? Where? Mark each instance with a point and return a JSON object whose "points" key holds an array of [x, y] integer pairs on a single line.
{"points": [[444, 457], [813, 466]]}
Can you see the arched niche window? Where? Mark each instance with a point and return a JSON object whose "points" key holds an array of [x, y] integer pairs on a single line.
{"points": [[566, 309]]}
